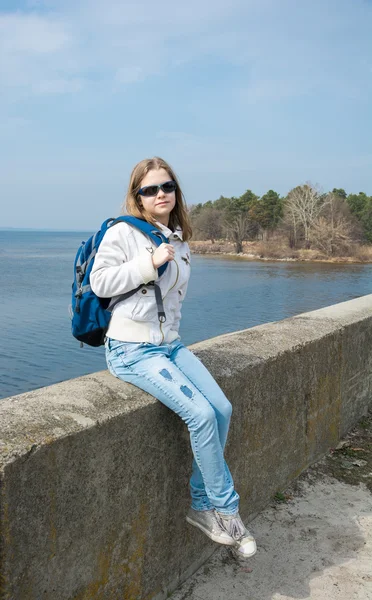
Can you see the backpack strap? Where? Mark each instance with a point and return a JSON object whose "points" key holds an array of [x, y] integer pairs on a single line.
{"points": [[158, 297], [153, 232], [150, 230]]}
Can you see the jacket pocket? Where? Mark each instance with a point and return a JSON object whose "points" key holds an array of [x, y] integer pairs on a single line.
{"points": [[144, 308]]}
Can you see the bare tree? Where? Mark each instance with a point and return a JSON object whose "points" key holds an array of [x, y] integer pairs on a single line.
{"points": [[208, 224], [290, 226], [332, 238], [335, 229], [238, 227], [303, 205]]}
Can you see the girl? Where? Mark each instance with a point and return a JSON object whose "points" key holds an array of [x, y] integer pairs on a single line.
{"points": [[148, 353]]}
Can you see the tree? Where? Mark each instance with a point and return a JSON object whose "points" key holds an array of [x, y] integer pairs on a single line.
{"points": [[366, 219], [247, 199], [195, 209], [237, 221], [267, 211], [357, 203], [303, 205], [222, 203], [237, 226], [340, 193], [336, 228], [332, 238], [208, 224]]}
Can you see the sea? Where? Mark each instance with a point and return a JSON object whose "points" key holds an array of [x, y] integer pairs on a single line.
{"points": [[36, 273]]}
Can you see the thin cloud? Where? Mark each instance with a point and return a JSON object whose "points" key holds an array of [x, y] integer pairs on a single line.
{"points": [[58, 86], [246, 93], [127, 42], [34, 50], [31, 34], [54, 47], [126, 75], [12, 124]]}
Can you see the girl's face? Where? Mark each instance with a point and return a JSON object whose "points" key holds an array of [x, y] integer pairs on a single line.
{"points": [[161, 205]]}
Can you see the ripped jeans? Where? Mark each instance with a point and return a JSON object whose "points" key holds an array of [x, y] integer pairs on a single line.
{"points": [[175, 376]]}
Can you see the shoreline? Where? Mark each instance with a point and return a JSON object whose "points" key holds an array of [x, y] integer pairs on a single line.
{"points": [[277, 251], [254, 257]]}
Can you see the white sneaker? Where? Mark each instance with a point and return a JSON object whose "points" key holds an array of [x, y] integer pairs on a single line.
{"points": [[245, 545], [207, 521]]}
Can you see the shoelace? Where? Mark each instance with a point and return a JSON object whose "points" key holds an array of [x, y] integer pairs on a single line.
{"points": [[234, 526], [216, 521]]}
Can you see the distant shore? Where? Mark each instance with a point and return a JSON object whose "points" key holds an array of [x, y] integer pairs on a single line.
{"points": [[271, 251]]}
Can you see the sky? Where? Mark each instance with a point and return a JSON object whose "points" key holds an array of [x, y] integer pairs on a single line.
{"points": [[234, 94]]}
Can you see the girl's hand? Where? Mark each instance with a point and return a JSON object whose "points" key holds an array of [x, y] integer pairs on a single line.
{"points": [[162, 254]]}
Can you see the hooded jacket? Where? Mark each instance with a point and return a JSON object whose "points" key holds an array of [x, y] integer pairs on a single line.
{"points": [[122, 263]]}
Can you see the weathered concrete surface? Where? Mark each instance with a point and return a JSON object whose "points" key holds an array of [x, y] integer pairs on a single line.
{"points": [[317, 547], [314, 541], [94, 472]]}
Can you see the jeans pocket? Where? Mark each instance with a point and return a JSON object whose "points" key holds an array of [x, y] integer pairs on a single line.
{"points": [[119, 346], [126, 351]]}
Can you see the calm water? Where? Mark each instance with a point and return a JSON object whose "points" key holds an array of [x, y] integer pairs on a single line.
{"points": [[36, 270]]}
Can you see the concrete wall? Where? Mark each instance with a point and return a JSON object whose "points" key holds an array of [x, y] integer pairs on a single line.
{"points": [[94, 472]]}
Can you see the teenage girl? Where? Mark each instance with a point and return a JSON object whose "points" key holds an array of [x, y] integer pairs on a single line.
{"points": [[144, 351]]}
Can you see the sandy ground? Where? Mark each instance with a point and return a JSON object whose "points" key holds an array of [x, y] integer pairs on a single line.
{"points": [[314, 540]]}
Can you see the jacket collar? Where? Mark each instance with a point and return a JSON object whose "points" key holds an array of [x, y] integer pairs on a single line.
{"points": [[177, 233]]}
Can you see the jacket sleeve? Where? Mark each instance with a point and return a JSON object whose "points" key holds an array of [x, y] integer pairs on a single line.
{"points": [[112, 273]]}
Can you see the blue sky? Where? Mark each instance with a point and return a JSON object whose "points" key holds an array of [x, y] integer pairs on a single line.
{"points": [[238, 94]]}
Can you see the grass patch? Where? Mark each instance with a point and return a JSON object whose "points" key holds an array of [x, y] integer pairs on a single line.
{"points": [[280, 497]]}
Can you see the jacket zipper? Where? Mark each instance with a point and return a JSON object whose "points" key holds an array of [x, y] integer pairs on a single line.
{"points": [[170, 289]]}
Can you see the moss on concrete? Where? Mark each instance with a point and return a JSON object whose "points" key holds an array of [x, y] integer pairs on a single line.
{"points": [[351, 460]]}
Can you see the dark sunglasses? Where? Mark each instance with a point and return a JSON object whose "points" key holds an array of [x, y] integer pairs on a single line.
{"points": [[152, 190]]}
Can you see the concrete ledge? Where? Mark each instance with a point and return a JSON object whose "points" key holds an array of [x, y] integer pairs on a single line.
{"points": [[94, 472]]}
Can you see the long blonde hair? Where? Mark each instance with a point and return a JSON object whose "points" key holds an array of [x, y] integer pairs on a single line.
{"points": [[177, 218]]}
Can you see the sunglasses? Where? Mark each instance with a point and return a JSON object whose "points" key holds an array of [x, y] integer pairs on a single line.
{"points": [[152, 190]]}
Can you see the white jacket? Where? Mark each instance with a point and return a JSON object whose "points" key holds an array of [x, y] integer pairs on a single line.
{"points": [[123, 262]]}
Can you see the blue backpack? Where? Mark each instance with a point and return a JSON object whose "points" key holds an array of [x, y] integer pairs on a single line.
{"points": [[90, 314]]}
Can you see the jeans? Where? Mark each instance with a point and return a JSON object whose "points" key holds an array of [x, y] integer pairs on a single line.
{"points": [[175, 376]]}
